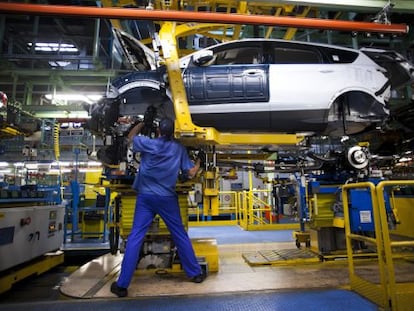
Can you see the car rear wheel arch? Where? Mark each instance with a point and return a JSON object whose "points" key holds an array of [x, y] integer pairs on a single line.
{"points": [[354, 111]]}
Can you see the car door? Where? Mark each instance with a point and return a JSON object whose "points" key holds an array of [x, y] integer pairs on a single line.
{"points": [[232, 90], [303, 85]]}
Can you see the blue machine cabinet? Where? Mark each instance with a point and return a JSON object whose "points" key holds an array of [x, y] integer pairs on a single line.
{"points": [[360, 210]]}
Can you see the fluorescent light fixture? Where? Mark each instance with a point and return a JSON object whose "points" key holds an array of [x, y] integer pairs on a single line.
{"points": [[59, 63], [88, 98], [62, 114], [84, 170], [6, 171], [32, 166], [18, 164], [94, 163], [4, 164], [59, 171], [61, 163], [53, 47]]}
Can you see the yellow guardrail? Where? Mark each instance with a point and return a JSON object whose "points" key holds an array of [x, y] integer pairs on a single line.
{"points": [[388, 293], [243, 208]]}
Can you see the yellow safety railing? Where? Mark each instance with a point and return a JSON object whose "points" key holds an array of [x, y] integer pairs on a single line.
{"points": [[257, 214], [385, 292], [228, 208], [246, 209]]}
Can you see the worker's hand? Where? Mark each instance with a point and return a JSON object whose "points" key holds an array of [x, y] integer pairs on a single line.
{"points": [[134, 130], [202, 156], [129, 120], [149, 116]]}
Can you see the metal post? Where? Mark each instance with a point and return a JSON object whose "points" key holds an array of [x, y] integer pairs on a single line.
{"points": [[96, 39], [2, 31]]}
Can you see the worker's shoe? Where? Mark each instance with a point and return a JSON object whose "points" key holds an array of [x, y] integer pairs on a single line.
{"points": [[199, 278], [119, 291]]}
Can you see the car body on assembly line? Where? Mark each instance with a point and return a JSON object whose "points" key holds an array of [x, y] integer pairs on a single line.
{"points": [[268, 85]]}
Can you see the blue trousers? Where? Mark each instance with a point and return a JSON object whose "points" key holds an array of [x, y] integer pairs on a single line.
{"points": [[146, 207]]}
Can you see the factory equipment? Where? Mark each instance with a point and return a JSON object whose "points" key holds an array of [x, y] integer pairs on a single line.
{"points": [[322, 207], [31, 222], [31, 230]]}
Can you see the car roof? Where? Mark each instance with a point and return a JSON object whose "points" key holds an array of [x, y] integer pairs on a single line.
{"points": [[185, 59], [276, 40]]}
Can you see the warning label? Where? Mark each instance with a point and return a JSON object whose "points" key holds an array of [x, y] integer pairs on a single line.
{"points": [[365, 217]]}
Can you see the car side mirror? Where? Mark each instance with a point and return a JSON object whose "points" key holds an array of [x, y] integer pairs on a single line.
{"points": [[202, 57]]}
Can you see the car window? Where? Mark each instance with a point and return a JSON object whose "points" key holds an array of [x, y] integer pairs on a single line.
{"points": [[295, 56], [339, 56], [239, 55]]}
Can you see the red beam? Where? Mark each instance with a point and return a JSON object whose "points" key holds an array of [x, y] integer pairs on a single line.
{"points": [[201, 17]]}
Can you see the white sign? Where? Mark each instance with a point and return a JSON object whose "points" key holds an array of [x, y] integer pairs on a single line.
{"points": [[365, 217]]}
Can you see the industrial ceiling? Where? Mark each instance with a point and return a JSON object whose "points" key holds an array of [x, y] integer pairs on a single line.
{"points": [[42, 56]]}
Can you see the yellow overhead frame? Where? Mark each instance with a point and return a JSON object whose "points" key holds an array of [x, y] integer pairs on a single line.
{"points": [[111, 3], [229, 6], [239, 7], [290, 32]]}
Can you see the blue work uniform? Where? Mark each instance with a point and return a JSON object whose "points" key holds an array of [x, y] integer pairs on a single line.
{"points": [[161, 161]]}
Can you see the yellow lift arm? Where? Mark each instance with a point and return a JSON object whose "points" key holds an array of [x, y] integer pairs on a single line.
{"points": [[192, 134]]}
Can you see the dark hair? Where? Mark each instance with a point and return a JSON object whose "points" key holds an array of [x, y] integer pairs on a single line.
{"points": [[167, 127]]}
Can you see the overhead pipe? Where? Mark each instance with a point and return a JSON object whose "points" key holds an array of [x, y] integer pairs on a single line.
{"points": [[201, 17]]}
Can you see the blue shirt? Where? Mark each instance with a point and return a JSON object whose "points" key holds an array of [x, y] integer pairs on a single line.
{"points": [[161, 161]]}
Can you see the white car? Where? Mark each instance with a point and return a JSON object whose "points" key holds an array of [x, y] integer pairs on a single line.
{"points": [[268, 85]]}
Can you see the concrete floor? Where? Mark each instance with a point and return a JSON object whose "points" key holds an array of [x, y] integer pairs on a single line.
{"points": [[314, 286], [94, 278]]}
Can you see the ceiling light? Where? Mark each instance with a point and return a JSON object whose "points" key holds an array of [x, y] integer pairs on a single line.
{"points": [[59, 63], [94, 163], [89, 98], [61, 163], [85, 170], [32, 166], [59, 171], [53, 47]]}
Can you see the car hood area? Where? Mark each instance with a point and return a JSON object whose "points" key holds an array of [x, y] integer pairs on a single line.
{"points": [[137, 56]]}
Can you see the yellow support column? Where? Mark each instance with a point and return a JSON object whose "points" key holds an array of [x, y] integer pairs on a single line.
{"points": [[182, 112], [211, 193]]}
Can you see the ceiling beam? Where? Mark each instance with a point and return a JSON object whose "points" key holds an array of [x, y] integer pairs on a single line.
{"points": [[202, 17]]}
